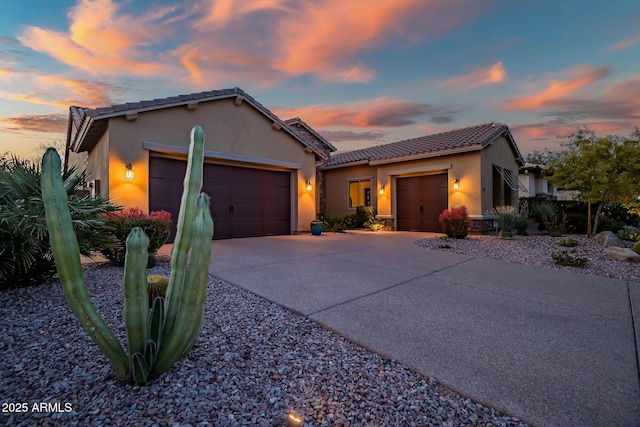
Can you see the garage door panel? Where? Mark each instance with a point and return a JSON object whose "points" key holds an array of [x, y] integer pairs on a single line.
{"points": [[244, 201], [419, 202]]}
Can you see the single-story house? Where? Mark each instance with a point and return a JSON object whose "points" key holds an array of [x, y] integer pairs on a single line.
{"points": [[410, 182], [536, 181], [260, 171]]}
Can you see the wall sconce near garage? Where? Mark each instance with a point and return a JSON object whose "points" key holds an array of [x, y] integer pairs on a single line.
{"points": [[456, 184], [308, 186], [381, 191], [128, 173]]}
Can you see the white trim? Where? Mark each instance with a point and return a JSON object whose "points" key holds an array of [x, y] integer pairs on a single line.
{"points": [[175, 149], [443, 166]]}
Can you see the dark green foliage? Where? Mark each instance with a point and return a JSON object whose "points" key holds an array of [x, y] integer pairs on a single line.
{"points": [[364, 214], [629, 233], [636, 247], [25, 253], [156, 226], [567, 259], [608, 224], [338, 224], [569, 243], [522, 225], [455, 222]]}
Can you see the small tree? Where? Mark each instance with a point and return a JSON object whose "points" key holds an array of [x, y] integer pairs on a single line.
{"points": [[603, 170]]}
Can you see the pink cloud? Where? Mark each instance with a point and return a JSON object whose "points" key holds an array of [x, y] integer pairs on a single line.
{"points": [[376, 113], [45, 123], [478, 77], [625, 44], [571, 81]]}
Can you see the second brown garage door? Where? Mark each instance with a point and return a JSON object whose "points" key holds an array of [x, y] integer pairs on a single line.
{"points": [[245, 202], [419, 202]]}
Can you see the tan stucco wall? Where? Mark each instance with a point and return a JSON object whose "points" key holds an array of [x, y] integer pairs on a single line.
{"points": [[462, 166], [230, 129], [501, 154]]}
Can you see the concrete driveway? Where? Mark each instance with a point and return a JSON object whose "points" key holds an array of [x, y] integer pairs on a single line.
{"points": [[550, 347]]}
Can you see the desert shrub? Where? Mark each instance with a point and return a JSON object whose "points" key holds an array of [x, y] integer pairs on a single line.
{"points": [[506, 217], [554, 222], [606, 223], [364, 214], [636, 247], [569, 243], [568, 259], [25, 252], [629, 233], [374, 224], [156, 226], [621, 213], [521, 225], [455, 222], [338, 224]]}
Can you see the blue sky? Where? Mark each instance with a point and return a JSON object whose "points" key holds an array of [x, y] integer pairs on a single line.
{"points": [[359, 74]]}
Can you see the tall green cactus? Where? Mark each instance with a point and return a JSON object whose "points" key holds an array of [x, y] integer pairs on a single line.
{"points": [[161, 334]]}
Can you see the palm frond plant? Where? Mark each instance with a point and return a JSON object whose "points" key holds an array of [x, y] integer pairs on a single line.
{"points": [[506, 217], [25, 253], [555, 222]]}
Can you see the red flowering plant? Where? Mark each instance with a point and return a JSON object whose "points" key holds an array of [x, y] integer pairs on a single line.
{"points": [[156, 225], [455, 222]]}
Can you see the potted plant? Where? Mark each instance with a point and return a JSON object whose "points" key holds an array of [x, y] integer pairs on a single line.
{"points": [[316, 227]]}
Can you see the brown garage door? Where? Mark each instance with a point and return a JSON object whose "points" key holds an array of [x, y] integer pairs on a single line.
{"points": [[245, 202], [420, 200]]}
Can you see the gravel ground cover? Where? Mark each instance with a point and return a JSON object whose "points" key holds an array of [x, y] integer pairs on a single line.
{"points": [[537, 250], [255, 363]]}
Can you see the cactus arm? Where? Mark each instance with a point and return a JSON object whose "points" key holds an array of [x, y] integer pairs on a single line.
{"points": [[190, 307], [139, 368], [192, 186], [136, 297], [156, 320], [66, 253]]}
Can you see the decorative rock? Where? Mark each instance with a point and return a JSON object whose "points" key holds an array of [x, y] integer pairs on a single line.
{"points": [[622, 254], [608, 239]]}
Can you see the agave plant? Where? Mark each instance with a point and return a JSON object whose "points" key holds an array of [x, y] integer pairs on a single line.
{"points": [[163, 332], [25, 254], [506, 217]]}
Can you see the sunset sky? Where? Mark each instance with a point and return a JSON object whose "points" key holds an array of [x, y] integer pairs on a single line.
{"points": [[361, 72]]}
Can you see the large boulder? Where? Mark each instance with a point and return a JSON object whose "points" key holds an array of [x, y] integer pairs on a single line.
{"points": [[622, 254], [608, 239]]}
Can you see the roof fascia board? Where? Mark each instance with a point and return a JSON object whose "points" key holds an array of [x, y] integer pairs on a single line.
{"points": [[82, 133], [175, 149], [432, 168], [346, 165]]}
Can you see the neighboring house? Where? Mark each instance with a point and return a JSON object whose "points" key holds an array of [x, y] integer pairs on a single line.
{"points": [[535, 180], [260, 171], [411, 182]]}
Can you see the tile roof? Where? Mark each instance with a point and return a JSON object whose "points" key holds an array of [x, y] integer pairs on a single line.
{"points": [[312, 137], [94, 118], [469, 138]]}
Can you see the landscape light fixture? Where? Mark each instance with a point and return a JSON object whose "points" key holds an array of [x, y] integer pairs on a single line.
{"points": [[309, 186], [129, 174], [293, 420], [456, 184]]}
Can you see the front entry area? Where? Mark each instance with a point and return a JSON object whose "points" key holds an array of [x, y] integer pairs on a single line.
{"points": [[245, 202], [420, 200]]}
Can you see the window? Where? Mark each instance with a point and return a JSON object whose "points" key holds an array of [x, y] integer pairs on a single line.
{"points": [[359, 193]]}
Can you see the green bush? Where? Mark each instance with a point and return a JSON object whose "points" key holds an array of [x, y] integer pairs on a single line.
{"points": [[25, 252], [364, 214], [455, 222], [522, 225], [629, 233], [569, 243], [374, 224], [636, 247], [554, 222], [156, 226], [567, 259], [338, 224]]}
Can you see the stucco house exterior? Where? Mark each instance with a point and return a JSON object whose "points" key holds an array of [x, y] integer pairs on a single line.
{"points": [[535, 180], [411, 182], [260, 171]]}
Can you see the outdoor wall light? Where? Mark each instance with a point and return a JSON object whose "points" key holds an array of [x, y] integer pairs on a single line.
{"points": [[456, 184], [129, 174], [309, 187], [382, 189], [293, 420]]}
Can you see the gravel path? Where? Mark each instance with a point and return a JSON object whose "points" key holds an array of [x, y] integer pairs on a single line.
{"points": [[255, 362], [537, 250]]}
